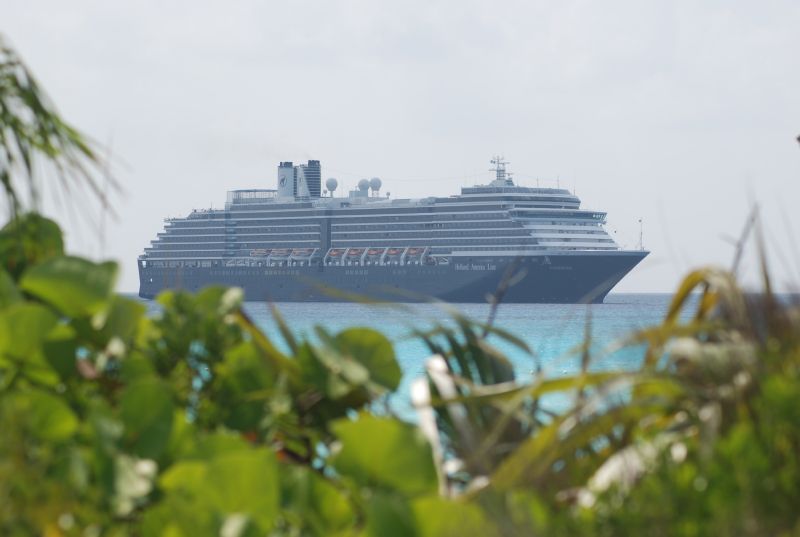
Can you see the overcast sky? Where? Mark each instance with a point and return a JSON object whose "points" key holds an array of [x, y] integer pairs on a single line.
{"points": [[682, 113]]}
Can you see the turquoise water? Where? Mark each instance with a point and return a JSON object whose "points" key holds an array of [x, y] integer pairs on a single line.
{"points": [[552, 331]]}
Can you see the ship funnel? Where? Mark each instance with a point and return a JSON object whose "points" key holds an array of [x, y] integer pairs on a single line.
{"points": [[285, 180]]}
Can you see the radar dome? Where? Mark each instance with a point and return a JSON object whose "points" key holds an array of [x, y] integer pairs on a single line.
{"points": [[363, 184], [331, 184], [375, 183]]}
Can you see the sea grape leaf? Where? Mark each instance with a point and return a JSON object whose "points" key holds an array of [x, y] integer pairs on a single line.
{"points": [[331, 373], [189, 442], [440, 517], [183, 439], [246, 481], [188, 475], [242, 379], [74, 286], [23, 328], [147, 411], [178, 516], [243, 481], [9, 294], [312, 369], [136, 367], [48, 417], [385, 453], [220, 443], [389, 515], [314, 501], [27, 240], [60, 349], [374, 351], [123, 317]]}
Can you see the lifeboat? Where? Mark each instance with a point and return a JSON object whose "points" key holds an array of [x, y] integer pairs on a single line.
{"points": [[394, 251], [280, 252], [415, 251], [259, 252], [336, 252], [302, 252], [355, 252], [375, 251]]}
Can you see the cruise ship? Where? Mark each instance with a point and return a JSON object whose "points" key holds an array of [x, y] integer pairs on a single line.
{"points": [[302, 242]]}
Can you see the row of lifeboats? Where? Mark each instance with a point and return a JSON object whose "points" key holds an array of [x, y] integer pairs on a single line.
{"points": [[374, 252], [282, 252]]}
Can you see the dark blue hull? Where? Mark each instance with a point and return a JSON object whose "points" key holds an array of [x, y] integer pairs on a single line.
{"points": [[564, 277]]}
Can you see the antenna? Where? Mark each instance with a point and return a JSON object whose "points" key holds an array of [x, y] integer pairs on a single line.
{"points": [[104, 201], [500, 171], [641, 244]]}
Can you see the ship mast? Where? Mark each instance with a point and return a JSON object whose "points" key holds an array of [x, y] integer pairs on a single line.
{"points": [[501, 175], [641, 236]]}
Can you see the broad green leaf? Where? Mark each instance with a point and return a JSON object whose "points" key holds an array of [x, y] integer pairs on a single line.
{"points": [[314, 501], [136, 367], [24, 327], [313, 370], [48, 416], [179, 516], [74, 286], [60, 350], [389, 515], [9, 294], [244, 481], [440, 517], [374, 351], [27, 240], [385, 453], [184, 438], [186, 475], [220, 443], [242, 381], [343, 374], [188, 443], [336, 375], [123, 317], [147, 411]]}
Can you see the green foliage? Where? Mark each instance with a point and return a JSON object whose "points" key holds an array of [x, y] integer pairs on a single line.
{"points": [[190, 421], [146, 411], [385, 453], [33, 134], [28, 240], [238, 485], [72, 285]]}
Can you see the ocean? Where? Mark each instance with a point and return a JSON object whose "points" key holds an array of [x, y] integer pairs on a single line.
{"points": [[554, 332]]}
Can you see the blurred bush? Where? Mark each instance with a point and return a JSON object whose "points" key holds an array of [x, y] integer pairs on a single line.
{"points": [[192, 422]]}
